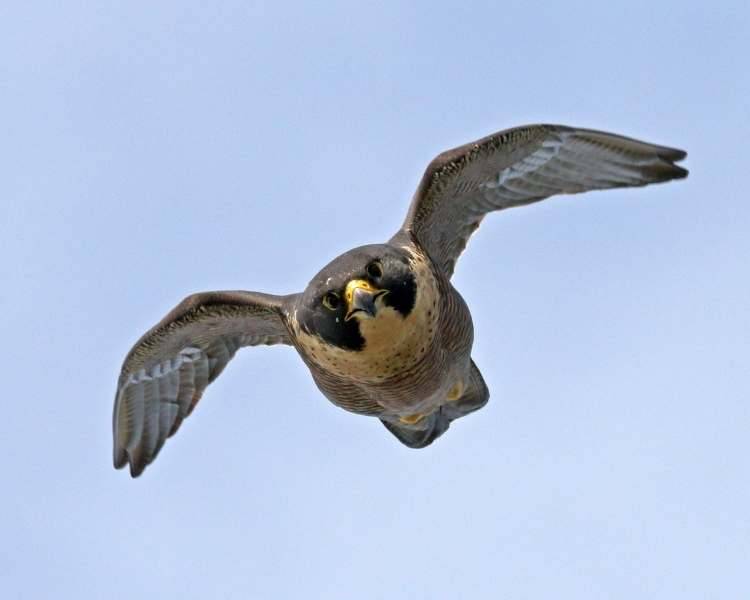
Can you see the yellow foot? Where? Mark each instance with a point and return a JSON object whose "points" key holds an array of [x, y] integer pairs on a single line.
{"points": [[456, 391], [411, 419]]}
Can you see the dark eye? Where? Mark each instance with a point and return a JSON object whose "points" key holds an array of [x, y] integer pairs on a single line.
{"points": [[374, 269], [331, 300]]}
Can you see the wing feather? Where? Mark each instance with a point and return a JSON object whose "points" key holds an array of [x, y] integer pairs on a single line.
{"points": [[520, 166], [166, 372]]}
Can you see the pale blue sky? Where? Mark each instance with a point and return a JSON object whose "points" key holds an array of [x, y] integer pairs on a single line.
{"points": [[150, 150]]}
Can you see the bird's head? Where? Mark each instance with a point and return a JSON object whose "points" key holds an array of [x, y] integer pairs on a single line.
{"points": [[363, 287]]}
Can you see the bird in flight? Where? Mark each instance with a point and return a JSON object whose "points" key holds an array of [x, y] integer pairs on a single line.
{"points": [[381, 328]]}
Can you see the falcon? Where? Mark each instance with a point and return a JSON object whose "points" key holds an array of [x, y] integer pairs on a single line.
{"points": [[381, 328]]}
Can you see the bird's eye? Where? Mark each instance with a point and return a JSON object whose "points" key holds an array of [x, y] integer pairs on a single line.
{"points": [[331, 300], [374, 269]]}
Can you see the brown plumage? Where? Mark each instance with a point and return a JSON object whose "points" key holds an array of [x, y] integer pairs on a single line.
{"points": [[381, 328]]}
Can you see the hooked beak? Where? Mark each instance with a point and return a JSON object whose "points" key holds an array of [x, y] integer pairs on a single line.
{"points": [[361, 297]]}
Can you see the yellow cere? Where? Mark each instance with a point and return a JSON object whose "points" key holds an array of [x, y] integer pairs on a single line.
{"points": [[353, 285]]}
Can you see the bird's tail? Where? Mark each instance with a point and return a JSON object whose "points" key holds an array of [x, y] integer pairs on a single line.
{"points": [[431, 427]]}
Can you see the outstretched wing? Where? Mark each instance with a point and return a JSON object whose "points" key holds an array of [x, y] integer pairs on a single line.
{"points": [[523, 165], [165, 373]]}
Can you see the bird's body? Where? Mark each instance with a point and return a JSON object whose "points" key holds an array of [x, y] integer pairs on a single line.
{"points": [[381, 328], [409, 365]]}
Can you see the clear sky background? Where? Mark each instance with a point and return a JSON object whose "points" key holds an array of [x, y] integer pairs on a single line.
{"points": [[150, 150]]}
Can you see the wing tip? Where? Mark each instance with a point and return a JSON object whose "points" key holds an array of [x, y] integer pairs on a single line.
{"points": [[680, 172], [671, 154], [123, 459], [677, 172], [136, 468], [668, 170], [120, 460], [663, 167]]}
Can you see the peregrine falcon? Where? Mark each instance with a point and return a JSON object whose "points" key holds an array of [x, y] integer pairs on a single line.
{"points": [[381, 328]]}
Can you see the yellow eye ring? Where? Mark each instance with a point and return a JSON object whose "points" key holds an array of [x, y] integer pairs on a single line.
{"points": [[331, 300]]}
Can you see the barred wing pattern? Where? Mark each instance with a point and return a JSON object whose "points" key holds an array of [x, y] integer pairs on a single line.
{"points": [[520, 166], [166, 372]]}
